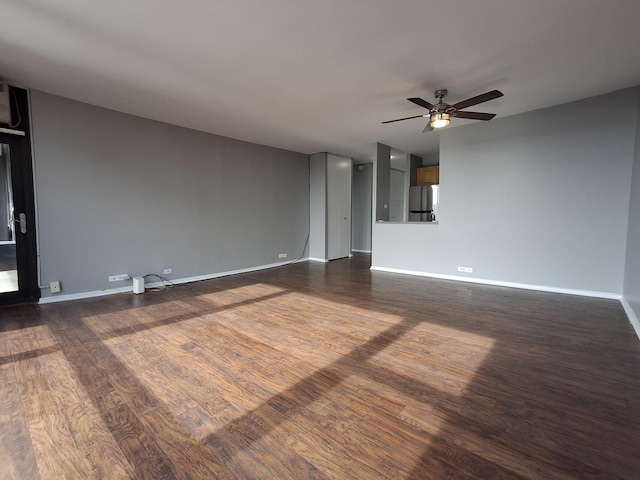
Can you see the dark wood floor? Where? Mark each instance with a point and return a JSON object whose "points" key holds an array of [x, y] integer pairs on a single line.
{"points": [[320, 371]]}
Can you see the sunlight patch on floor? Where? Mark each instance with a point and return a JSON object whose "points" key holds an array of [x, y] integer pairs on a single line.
{"points": [[177, 377], [227, 357], [60, 417], [26, 339], [191, 312], [283, 326], [247, 293], [450, 368], [253, 351]]}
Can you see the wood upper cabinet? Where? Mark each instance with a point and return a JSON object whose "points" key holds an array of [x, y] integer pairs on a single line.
{"points": [[428, 176]]}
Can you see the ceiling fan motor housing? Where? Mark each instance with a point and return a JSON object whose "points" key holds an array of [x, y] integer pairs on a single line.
{"points": [[442, 107], [440, 94]]}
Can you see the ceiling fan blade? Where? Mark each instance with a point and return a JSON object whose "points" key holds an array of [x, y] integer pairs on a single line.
{"points": [[475, 115], [406, 118], [485, 97], [422, 103], [428, 128]]}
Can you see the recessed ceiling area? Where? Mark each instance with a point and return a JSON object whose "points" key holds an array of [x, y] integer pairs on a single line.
{"points": [[318, 75]]}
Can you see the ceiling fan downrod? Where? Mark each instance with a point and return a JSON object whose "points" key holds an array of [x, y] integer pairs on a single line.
{"points": [[440, 94]]}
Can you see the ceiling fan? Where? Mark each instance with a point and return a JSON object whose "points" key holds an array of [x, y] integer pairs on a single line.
{"points": [[440, 114]]}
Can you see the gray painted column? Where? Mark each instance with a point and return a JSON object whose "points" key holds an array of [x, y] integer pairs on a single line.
{"points": [[361, 207], [318, 206], [383, 178]]}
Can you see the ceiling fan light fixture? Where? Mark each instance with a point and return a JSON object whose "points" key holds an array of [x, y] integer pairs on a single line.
{"points": [[439, 120]]}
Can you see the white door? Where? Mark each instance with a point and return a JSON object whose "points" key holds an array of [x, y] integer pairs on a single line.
{"points": [[338, 207]]}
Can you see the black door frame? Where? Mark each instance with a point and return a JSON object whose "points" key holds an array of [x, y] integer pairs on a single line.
{"points": [[24, 199]]}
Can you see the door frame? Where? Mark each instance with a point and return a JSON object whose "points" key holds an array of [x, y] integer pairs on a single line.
{"points": [[23, 201]]}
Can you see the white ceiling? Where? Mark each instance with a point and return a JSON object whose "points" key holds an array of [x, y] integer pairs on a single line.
{"points": [[318, 75]]}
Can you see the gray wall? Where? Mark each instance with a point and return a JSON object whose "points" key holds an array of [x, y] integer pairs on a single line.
{"points": [[431, 160], [632, 266], [122, 194], [540, 198], [361, 196], [397, 195], [414, 163]]}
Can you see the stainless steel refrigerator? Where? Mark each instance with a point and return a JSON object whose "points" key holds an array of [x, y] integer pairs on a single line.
{"points": [[421, 204]]}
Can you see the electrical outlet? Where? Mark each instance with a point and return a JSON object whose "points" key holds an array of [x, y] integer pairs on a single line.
{"points": [[119, 278], [282, 255], [465, 269], [167, 271], [54, 286]]}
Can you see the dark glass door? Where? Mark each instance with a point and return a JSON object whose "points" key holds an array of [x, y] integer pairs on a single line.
{"points": [[8, 257], [18, 270]]}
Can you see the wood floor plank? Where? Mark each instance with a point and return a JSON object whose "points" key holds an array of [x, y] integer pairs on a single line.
{"points": [[17, 457], [193, 459], [145, 456], [56, 451]]}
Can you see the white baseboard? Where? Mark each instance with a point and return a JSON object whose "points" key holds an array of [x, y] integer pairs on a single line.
{"points": [[326, 260], [633, 319], [315, 259], [83, 295], [540, 288], [360, 251], [129, 289]]}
